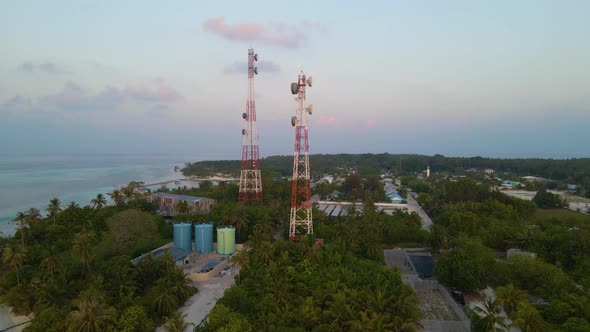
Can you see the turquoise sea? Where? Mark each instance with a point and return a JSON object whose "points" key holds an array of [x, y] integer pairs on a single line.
{"points": [[31, 181]]}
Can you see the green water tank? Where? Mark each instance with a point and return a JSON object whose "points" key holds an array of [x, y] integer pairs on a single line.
{"points": [[230, 241], [226, 241]]}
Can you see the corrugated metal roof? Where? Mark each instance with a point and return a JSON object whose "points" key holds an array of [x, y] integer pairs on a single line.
{"points": [[180, 197], [392, 196], [176, 253], [329, 209], [336, 211]]}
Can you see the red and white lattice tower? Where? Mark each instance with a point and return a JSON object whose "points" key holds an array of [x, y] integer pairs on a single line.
{"points": [[250, 181], [301, 221]]}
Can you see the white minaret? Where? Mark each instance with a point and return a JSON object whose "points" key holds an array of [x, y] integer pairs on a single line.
{"points": [[428, 171]]}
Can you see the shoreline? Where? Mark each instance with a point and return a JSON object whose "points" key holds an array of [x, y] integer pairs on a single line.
{"points": [[157, 173]]}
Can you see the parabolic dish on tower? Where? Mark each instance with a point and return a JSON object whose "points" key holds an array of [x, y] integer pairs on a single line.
{"points": [[294, 88]]}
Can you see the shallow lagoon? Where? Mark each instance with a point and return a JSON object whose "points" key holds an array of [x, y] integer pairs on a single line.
{"points": [[31, 181]]}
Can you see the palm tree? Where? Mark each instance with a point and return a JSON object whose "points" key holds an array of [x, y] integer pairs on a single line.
{"points": [[54, 208], [510, 296], [165, 302], [528, 319], [72, 207], [242, 260], [99, 202], [182, 207], [260, 242], [176, 323], [488, 318], [22, 219], [128, 191], [338, 308], [277, 285], [314, 254], [117, 197], [373, 246], [182, 285], [51, 263], [525, 237], [33, 215], [198, 214], [82, 250], [238, 220], [14, 256], [91, 314]]}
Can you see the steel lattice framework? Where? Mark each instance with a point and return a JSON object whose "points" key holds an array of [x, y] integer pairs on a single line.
{"points": [[250, 180], [301, 221]]}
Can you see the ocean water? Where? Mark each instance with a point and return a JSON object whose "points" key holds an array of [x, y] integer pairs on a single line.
{"points": [[31, 181]]}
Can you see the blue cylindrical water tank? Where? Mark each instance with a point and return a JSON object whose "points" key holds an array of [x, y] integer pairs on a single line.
{"points": [[182, 236], [204, 238]]}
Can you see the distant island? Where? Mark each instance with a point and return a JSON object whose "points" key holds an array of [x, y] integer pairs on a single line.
{"points": [[560, 172]]}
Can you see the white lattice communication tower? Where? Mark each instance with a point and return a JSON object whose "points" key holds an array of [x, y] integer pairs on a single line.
{"points": [[250, 179], [301, 221]]}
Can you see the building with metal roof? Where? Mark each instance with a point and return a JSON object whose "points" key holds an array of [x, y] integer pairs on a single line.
{"points": [[395, 198], [167, 203], [177, 254]]}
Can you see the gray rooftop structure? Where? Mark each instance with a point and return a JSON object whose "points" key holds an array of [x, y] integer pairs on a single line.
{"points": [[187, 198], [168, 202], [440, 312], [176, 253]]}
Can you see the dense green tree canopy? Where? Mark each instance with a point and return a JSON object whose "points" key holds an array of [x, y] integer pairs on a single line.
{"points": [[468, 266], [68, 275], [132, 230]]}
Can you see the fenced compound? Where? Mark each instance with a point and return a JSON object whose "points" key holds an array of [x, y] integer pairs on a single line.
{"points": [[439, 311]]}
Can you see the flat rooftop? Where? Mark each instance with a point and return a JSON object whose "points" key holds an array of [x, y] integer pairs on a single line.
{"points": [[187, 198], [176, 253]]}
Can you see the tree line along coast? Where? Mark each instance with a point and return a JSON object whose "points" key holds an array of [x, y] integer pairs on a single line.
{"points": [[69, 271]]}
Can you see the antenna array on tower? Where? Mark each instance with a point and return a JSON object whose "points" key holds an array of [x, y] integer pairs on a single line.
{"points": [[250, 179], [301, 221]]}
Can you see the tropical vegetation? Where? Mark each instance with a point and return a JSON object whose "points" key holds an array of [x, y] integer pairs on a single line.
{"points": [[72, 269]]}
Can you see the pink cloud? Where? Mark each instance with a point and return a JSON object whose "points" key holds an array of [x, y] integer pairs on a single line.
{"points": [[328, 121], [371, 123], [277, 34]]}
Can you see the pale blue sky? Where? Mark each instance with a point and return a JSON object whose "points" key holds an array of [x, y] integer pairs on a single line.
{"points": [[501, 78]]}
